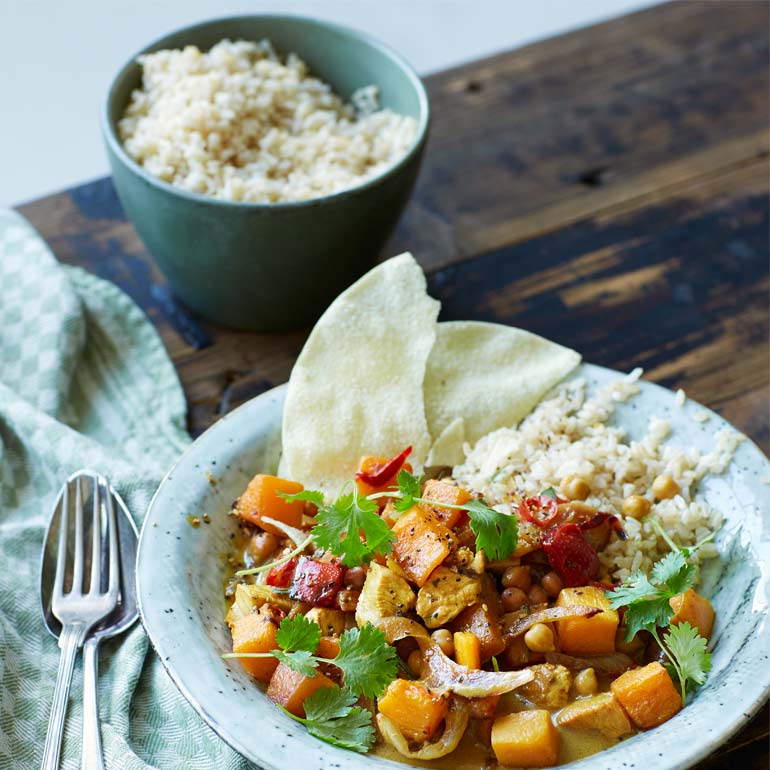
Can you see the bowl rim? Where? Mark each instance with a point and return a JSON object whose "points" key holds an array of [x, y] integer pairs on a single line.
{"points": [[708, 743], [116, 146]]}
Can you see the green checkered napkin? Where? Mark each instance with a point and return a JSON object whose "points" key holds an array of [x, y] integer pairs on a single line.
{"points": [[84, 382]]}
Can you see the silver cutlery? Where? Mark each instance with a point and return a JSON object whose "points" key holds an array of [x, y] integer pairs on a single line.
{"points": [[77, 546]]}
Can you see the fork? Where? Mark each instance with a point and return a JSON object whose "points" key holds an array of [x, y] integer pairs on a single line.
{"points": [[76, 610]]}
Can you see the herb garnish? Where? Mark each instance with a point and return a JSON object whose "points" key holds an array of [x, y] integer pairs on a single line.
{"points": [[648, 608], [368, 664], [340, 524]]}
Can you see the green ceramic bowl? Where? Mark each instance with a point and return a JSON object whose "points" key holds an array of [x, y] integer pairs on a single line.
{"points": [[271, 266]]}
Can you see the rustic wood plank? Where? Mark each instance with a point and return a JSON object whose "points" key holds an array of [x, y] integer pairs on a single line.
{"points": [[525, 141], [607, 188]]}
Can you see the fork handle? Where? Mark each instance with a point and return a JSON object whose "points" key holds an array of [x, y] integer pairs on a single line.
{"points": [[70, 639], [92, 758]]}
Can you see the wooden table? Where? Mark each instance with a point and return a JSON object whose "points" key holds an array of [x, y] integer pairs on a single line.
{"points": [[607, 189]]}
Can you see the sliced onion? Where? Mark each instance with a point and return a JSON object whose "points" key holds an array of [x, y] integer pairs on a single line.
{"points": [[519, 626], [454, 728], [610, 665], [297, 536], [396, 628], [441, 674]]}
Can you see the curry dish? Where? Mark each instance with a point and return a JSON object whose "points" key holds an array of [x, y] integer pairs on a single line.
{"points": [[464, 636]]}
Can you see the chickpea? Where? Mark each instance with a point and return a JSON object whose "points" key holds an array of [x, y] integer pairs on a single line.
{"points": [[585, 682], [347, 601], [539, 638], [355, 577], [537, 595], [414, 662], [262, 544], [513, 599], [552, 584], [444, 639], [575, 487], [664, 487], [636, 506], [517, 577]]}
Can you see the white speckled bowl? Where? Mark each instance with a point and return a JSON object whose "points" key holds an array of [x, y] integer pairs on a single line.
{"points": [[181, 569]]}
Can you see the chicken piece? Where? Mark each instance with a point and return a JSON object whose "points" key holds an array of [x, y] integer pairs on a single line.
{"points": [[384, 595], [550, 687], [529, 539], [445, 595], [332, 622], [602, 713], [249, 598]]}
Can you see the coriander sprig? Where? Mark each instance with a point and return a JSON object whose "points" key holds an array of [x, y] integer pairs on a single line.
{"points": [[648, 607], [332, 716], [368, 664], [686, 649], [367, 661], [496, 533]]}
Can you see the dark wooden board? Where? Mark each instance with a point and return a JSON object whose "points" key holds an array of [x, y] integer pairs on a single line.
{"points": [[607, 189]]}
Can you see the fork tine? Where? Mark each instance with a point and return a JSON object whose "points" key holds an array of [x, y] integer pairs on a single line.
{"points": [[95, 584], [112, 527], [61, 553], [77, 570]]}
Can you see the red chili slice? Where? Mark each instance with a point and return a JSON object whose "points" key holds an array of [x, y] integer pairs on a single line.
{"points": [[571, 555], [386, 471], [316, 582], [531, 506], [281, 576]]}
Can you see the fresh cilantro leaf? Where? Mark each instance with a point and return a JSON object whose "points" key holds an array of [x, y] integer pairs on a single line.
{"points": [[330, 714], [647, 616], [298, 633], [674, 571], [408, 484], [367, 661], [301, 661], [636, 587], [647, 599], [310, 495], [688, 649], [409, 487], [496, 533], [550, 492], [338, 526]]}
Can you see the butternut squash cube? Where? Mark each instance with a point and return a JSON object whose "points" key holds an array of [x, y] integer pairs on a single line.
{"points": [[445, 492], [587, 636], [255, 632], [525, 739], [262, 498], [422, 543], [648, 695], [602, 713], [416, 711], [467, 649], [482, 621], [694, 609], [290, 689]]}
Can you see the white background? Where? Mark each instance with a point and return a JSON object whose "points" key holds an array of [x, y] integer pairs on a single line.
{"points": [[58, 56]]}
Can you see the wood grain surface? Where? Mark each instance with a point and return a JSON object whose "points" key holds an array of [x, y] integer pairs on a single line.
{"points": [[607, 189]]}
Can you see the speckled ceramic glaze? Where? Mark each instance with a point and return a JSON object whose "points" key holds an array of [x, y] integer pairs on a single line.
{"points": [[181, 572]]}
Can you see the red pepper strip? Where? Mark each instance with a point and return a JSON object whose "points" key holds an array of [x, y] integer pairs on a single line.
{"points": [[530, 505], [281, 576], [571, 555], [599, 519], [316, 582], [385, 472]]}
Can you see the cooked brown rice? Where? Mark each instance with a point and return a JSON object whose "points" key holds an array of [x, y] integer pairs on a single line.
{"points": [[568, 434], [240, 124]]}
